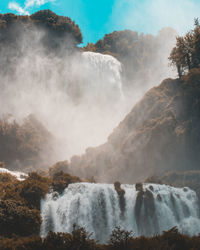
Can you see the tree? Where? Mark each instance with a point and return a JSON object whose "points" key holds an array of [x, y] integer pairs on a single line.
{"points": [[186, 54], [120, 239]]}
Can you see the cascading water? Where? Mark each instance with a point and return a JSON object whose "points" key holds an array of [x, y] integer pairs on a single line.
{"points": [[99, 208], [105, 76]]}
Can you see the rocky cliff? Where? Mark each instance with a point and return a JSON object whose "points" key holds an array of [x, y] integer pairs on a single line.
{"points": [[161, 133]]}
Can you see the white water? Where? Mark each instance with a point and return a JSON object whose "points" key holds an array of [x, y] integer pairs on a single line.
{"points": [[97, 208], [104, 73], [19, 175]]}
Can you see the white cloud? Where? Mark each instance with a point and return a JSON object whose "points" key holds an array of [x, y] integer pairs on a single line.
{"points": [[27, 6], [32, 3], [16, 7]]}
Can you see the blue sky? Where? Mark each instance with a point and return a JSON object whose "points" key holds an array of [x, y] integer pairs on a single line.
{"points": [[98, 17]]}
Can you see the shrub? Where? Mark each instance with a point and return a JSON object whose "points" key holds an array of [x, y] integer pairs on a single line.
{"points": [[16, 243], [62, 180], [16, 218], [33, 189], [120, 239], [79, 239]]}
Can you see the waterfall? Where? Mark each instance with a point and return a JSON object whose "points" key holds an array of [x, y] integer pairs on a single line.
{"points": [[99, 209], [104, 73]]}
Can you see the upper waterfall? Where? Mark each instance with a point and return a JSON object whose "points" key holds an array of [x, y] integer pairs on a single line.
{"points": [[99, 209], [104, 73]]}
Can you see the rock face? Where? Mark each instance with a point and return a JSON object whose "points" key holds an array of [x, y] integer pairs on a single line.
{"points": [[161, 133]]}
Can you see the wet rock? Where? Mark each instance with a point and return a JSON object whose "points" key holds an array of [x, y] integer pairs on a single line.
{"points": [[118, 188], [139, 186], [151, 187], [55, 195], [121, 193], [159, 198]]}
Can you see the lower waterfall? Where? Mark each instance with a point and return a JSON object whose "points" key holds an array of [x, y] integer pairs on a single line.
{"points": [[99, 208]]}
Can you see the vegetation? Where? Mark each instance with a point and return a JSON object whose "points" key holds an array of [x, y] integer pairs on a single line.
{"points": [[120, 239], [20, 202], [56, 27], [60, 25], [186, 54], [79, 239], [61, 180], [16, 218]]}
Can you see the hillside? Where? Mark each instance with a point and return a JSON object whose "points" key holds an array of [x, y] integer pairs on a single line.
{"points": [[159, 134]]}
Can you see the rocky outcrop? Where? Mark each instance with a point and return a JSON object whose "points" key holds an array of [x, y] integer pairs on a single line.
{"points": [[118, 188], [139, 187], [121, 192]]}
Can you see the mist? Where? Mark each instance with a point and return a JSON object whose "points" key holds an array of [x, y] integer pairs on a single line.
{"points": [[73, 95], [80, 97]]}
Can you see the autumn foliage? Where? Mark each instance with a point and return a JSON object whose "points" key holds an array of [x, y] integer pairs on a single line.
{"points": [[120, 239], [186, 54], [20, 201]]}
